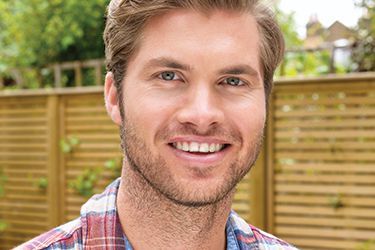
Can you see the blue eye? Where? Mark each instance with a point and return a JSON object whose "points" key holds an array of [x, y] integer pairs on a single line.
{"points": [[233, 81], [168, 75]]}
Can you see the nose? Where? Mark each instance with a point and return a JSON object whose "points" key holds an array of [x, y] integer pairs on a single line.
{"points": [[201, 108]]}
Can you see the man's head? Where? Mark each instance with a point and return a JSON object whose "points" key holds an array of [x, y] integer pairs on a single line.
{"points": [[127, 18], [190, 87]]}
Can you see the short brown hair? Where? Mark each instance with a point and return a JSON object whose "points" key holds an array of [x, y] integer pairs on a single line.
{"points": [[127, 18]]}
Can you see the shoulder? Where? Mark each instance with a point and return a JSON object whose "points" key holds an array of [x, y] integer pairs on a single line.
{"points": [[250, 236], [67, 236], [99, 210]]}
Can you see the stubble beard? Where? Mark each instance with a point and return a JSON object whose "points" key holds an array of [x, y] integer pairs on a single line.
{"points": [[153, 170]]}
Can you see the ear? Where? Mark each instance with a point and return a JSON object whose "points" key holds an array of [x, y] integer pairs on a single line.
{"points": [[111, 99]]}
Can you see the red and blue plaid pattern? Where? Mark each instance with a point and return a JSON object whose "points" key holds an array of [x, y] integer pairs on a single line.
{"points": [[99, 227]]}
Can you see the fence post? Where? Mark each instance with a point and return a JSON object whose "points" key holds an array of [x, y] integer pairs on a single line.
{"points": [[98, 73], [78, 73], [269, 165], [57, 75], [53, 160], [258, 193], [17, 76]]}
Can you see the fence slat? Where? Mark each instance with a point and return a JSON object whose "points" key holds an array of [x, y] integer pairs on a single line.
{"points": [[53, 161]]}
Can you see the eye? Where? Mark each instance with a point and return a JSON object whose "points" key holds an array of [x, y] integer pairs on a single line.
{"points": [[168, 76], [234, 81]]}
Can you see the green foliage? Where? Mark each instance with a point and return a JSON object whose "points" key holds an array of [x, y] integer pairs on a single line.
{"points": [[336, 201], [84, 183], [312, 63], [39, 32], [42, 183], [289, 28], [367, 245], [364, 52], [3, 226], [69, 144], [310, 172], [115, 166]]}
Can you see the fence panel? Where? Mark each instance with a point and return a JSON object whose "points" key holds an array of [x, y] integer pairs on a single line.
{"points": [[23, 168], [86, 120], [323, 166]]}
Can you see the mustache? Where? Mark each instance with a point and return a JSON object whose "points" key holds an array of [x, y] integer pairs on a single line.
{"points": [[217, 131]]}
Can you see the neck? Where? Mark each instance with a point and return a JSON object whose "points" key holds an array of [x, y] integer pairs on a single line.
{"points": [[146, 214]]}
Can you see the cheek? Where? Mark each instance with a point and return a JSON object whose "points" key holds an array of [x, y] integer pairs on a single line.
{"points": [[252, 124], [148, 113], [250, 119]]}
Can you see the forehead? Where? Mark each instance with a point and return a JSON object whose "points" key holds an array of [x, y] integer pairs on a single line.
{"points": [[189, 34]]}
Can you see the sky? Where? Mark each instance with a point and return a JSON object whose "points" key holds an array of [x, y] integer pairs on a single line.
{"points": [[327, 11]]}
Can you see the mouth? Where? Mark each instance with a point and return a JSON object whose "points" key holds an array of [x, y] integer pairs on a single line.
{"points": [[199, 148]]}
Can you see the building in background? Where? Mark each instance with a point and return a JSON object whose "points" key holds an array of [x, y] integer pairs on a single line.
{"points": [[319, 36]]}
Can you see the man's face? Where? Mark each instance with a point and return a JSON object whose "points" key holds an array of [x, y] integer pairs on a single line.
{"points": [[194, 104]]}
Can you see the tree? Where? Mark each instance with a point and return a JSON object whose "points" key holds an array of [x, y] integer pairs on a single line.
{"points": [[288, 27], [35, 33], [364, 50]]}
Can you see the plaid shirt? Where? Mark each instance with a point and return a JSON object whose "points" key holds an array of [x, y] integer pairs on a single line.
{"points": [[99, 227]]}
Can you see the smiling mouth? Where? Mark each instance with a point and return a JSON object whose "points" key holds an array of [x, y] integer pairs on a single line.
{"points": [[195, 147]]}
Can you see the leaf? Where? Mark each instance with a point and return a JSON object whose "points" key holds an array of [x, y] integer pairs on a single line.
{"points": [[110, 164], [42, 183], [84, 183], [73, 141], [3, 226], [336, 201], [65, 147]]}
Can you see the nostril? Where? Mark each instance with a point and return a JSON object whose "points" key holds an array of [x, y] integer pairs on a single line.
{"points": [[202, 119]]}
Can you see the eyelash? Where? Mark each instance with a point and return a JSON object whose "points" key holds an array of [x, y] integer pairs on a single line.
{"points": [[175, 76], [241, 82], [224, 81]]}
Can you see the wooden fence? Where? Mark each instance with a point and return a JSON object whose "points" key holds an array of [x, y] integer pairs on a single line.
{"points": [[321, 162], [89, 72], [313, 185]]}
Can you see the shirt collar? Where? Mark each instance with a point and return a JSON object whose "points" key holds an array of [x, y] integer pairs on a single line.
{"points": [[101, 211]]}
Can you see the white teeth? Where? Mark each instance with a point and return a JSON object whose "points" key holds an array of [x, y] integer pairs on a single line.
{"points": [[204, 148], [212, 148], [198, 147], [185, 146], [194, 147]]}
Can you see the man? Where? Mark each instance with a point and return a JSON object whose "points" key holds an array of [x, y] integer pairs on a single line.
{"points": [[187, 82]]}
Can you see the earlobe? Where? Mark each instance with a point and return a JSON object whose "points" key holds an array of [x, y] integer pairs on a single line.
{"points": [[111, 99]]}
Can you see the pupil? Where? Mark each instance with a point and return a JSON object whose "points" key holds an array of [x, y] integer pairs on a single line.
{"points": [[233, 81], [168, 75]]}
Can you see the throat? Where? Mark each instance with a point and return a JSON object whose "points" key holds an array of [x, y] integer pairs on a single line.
{"points": [[146, 214]]}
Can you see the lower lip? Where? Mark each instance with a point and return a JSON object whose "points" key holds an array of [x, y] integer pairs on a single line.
{"points": [[200, 158]]}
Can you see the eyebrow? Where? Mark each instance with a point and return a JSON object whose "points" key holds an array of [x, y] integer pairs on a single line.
{"points": [[242, 69], [168, 63]]}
